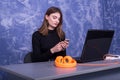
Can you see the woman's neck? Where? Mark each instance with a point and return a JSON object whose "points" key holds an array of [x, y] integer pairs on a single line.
{"points": [[51, 28]]}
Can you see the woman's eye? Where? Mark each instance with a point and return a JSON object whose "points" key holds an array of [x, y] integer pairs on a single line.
{"points": [[54, 17]]}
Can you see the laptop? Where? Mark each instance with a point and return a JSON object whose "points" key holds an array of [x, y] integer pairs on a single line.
{"points": [[97, 44]]}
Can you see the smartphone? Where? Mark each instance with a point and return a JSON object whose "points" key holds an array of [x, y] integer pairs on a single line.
{"points": [[67, 40]]}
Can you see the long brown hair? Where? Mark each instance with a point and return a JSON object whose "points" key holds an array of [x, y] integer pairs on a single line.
{"points": [[44, 28]]}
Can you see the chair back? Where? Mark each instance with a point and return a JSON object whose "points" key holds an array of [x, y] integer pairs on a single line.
{"points": [[27, 58]]}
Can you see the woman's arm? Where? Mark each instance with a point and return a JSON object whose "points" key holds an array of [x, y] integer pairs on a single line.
{"points": [[37, 55]]}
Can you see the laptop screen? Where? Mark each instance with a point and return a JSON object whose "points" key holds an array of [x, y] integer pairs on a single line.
{"points": [[97, 44]]}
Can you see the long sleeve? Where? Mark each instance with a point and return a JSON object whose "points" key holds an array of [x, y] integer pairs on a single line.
{"points": [[42, 44], [37, 55]]}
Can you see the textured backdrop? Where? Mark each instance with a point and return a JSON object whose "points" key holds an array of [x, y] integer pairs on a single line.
{"points": [[20, 18]]}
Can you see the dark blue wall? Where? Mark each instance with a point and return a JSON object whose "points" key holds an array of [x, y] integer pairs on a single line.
{"points": [[20, 18], [111, 20]]}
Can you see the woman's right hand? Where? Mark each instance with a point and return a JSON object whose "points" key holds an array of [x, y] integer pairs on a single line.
{"points": [[59, 47]]}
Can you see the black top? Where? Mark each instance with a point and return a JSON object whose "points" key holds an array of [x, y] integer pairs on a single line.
{"points": [[42, 44]]}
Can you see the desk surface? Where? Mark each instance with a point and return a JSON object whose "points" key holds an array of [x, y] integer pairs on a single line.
{"points": [[47, 70]]}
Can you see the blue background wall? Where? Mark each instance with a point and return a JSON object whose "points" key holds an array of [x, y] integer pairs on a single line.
{"points": [[20, 18], [111, 20]]}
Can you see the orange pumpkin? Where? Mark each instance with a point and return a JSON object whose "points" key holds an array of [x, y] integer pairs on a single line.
{"points": [[65, 62]]}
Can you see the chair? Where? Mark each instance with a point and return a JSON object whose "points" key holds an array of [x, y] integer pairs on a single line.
{"points": [[27, 58]]}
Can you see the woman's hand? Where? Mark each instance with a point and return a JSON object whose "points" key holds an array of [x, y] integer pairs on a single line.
{"points": [[64, 44], [60, 46]]}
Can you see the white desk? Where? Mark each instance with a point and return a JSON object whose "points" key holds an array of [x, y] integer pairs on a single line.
{"points": [[47, 71]]}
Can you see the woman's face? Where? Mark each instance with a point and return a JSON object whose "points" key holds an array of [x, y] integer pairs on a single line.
{"points": [[53, 20]]}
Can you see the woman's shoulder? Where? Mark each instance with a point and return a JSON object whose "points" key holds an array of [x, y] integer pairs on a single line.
{"points": [[37, 33]]}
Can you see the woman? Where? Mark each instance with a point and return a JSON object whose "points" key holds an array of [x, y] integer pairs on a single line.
{"points": [[49, 41]]}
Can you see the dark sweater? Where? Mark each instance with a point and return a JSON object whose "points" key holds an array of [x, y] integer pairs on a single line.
{"points": [[42, 44]]}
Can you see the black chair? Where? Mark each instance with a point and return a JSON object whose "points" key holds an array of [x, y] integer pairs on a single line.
{"points": [[27, 58]]}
